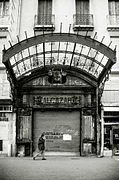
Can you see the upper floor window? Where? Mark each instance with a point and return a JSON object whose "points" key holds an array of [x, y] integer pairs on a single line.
{"points": [[113, 6], [4, 7], [45, 12], [44, 20], [82, 6], [83, 16]]}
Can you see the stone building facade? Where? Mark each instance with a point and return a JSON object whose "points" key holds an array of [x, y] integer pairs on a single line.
{"points": [[59, 75]]}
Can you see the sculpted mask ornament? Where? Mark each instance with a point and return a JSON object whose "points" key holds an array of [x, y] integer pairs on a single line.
{"points": [[56, 76]]}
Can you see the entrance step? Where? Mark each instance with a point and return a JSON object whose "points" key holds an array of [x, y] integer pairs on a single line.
{"points": [[62, 153]]}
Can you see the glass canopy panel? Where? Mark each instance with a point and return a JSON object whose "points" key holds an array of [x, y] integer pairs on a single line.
{"points": [[18, 57], [39, 48], [16, 71], [64, 59], [32, 60], [25, 53], [40, 60], [67, 59], [87, 65], [100, 69], [104, 60], [86, 50], [81, 62], [48, 60], [27, 65], [92, 68], [93, 53], [55, 46], [75, 60], [63, 46], [95, 73], [21, 68], [61, 59], [70, 47], [12, 60], [48, 46], [31, 50], [78, 48]]}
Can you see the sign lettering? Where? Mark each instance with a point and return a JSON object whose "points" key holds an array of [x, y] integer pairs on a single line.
{"points": [[61, 100]]}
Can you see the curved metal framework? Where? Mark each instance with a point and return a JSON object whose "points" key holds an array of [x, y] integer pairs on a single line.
{"points": [[70, 51]]}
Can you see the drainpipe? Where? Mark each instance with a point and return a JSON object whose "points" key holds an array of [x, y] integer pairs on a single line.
{"points": [[102, 132]]}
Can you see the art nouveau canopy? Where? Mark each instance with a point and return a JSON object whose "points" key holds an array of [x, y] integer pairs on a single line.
{"points": [[70, 52]]}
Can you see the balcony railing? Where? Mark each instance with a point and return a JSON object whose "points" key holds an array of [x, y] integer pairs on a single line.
{"points": [[44, 19], [83, 19], [113, 20]]}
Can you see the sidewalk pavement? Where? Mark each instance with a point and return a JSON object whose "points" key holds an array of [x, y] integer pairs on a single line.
{"points": [[59, 168]]}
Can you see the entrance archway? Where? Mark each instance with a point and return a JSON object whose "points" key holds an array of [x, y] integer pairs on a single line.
{"points": [[44, 69]]}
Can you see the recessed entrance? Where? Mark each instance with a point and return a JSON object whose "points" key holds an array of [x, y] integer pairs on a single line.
{"points": [[62, 129]]}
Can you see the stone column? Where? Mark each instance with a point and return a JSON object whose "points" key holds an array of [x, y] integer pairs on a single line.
{"points": [[102, 132]]}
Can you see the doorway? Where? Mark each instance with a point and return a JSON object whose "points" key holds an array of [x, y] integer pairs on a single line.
{"points": [[62, 129]]}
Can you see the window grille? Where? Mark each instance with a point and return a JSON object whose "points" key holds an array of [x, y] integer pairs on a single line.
{"points": [[82, 16], [45, 12]]}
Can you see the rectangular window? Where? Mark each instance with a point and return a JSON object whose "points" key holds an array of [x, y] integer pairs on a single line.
{"points": [[45, 12], [1, 145], [4, 8], [113, 6], [3, 40], [82, 6], [82, 13]]}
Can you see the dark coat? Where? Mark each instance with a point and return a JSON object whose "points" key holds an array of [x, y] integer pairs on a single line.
{"points": [[41, 144]]}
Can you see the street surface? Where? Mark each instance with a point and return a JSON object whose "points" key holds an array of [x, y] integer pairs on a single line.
{"points": [[59, 168]]}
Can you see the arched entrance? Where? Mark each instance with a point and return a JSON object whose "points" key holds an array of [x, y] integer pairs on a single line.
{"points": [[56, 80]]}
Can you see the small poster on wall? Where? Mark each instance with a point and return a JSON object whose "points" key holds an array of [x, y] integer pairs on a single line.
{"points": [[67, 137], [88, 127]]}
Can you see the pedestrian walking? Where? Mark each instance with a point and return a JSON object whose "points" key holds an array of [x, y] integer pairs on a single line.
{"points": [[41, 148]]}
